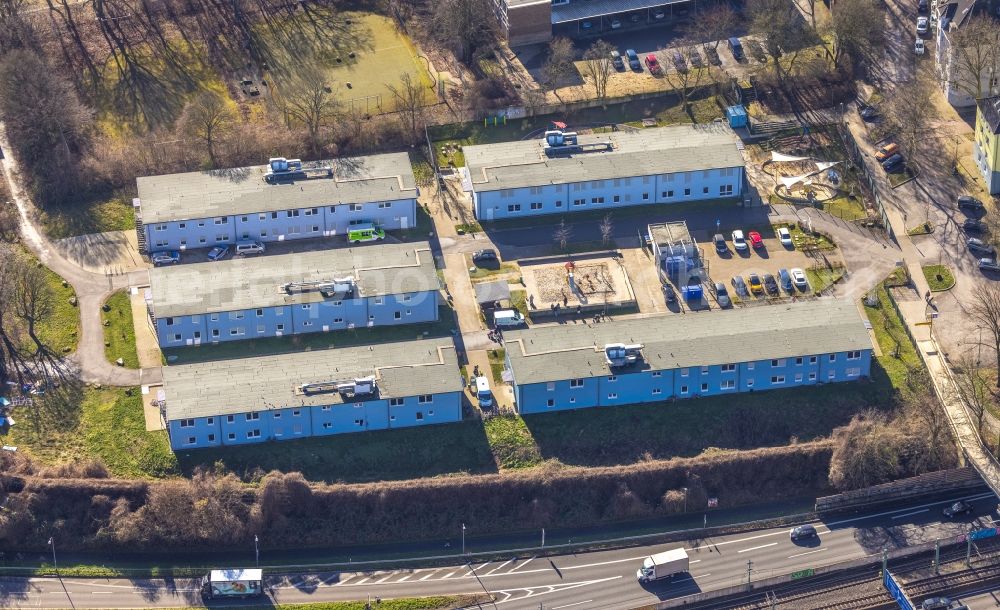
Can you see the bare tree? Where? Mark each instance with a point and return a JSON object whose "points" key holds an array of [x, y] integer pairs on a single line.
{"points": [[26, 302], [780, 28], [470, 26], [597, 63], [208, 118], [686, 81], [908, 110], [985, 311], [409, 98], [975, 50], [562, 234], [607, 228], [855, 29], [311, 103], [715, 24], [559, 62], [972, 388]]}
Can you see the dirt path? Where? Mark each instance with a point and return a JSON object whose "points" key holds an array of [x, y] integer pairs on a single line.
{"points": [[92, 289]]}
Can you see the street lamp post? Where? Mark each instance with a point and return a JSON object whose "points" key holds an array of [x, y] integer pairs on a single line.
{"points": [[685, 499], [52, 543], [463, 539], [256, 549]]}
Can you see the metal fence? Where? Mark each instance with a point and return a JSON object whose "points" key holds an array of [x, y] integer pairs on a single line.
{"points": [[858, 160]]}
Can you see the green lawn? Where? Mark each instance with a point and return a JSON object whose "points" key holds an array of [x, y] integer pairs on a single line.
{"points": [[313, 341], [511, 441], [119, 333], [487, 273], [61, 331], [892, 339], [845, 207], [821, 278], [87, 216], [105, 424], [939, 277]]}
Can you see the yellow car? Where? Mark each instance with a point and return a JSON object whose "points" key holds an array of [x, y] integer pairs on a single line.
{"points": [[756, 286]]}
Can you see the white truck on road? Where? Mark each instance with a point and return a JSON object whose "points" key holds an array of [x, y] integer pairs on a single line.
{"points": [[223, 584], [663, 565]]}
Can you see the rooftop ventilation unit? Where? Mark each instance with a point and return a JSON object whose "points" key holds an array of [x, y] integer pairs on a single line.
{"points": [[360, 386], [344, 285], [565, 142], [619, 354], [280, 168]]}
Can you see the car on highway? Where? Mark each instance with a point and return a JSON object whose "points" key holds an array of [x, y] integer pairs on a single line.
{"points": [[722, 295], [935, 603], [785, 237], [616, 60], [973, 225], [989, 265], [739, 242], [979, 247], [485, 256], [756, 286], [616, 23], [653, 65], [633, 60], [799, 279], [166, 258], [218, 253], [970, 203], [755, 239], [923, 25], [720, 243], [587, 25], [771, 285], [958, 508], [803, 532], [740, 286], [659, 14]]}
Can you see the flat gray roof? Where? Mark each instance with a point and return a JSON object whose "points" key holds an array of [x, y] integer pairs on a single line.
{"points": [[645, 152], [191, 195], [666, 233], [559, 352], [256, 282], [221, 387], [575, 11]]}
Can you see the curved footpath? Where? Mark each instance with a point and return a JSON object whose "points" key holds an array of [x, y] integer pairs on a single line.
{"points": [[92, 289]]}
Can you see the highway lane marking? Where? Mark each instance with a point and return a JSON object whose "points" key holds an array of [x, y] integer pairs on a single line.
{"points": [[916, 512], [473, 570], [892, 512], [428, 576], [695, 561], [587, 601], [701, 575], [448, 575], [826, 548], [755, 548], [361, 582], [407, 577], [521, 565], [500, 566]]}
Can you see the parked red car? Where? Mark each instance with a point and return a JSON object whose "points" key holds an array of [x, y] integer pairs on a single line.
{"points": [[653, 65], [755, 240]]}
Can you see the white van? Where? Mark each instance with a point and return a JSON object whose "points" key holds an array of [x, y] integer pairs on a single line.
{"points": [[508, 317], [249, 247], [483, 393]]}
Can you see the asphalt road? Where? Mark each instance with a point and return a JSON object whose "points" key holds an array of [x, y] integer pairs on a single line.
{"points": [[603, 579], [988, 597]]}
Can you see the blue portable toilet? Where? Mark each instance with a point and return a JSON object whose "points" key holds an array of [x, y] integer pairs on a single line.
{"points": [[673, 265], [693, 293], [737, 116]]}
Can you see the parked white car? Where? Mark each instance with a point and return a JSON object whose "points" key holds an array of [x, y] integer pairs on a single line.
{"points": [[739, 241], [799, 279], [923, 25], [785, 237], [918, 46]]}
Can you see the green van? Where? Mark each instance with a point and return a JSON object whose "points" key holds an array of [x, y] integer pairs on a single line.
{"points": [[365, 232]]}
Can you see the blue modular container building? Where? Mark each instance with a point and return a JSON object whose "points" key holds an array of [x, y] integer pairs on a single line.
{"points": [[275, 202], [661, 358], [317, 393], [289, 294], [737, 116], [572, 173]]}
